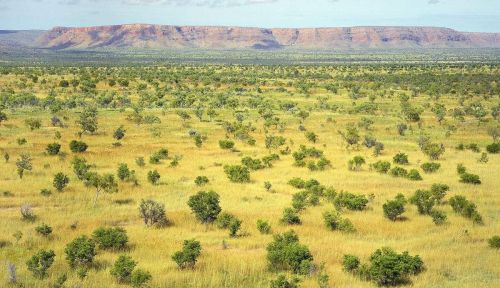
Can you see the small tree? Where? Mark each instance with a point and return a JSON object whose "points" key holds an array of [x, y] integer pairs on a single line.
{"points": [[53, 148], [23, 164], [110, 238], [394, 208], [389, 268], [80, 251], [226, 144], [123, 172], [234, 226], [80, 167], [286, 253], [60, 181], [78, 146], [186, 258], [205, 206], [139, 278], [101, 183], [400, 158], [119, 133], [88, 120], [122, 269], [237, 173], [40, 263], [153, 213], [424, 201], [355, 163], [154, 177]]}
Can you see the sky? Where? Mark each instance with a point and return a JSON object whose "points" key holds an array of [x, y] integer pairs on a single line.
{"points": [[462, 15]]}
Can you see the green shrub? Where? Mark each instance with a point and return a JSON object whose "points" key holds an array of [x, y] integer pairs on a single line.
{"points": [[424, 201], [122, 269], [494, 242], [299, 200], [186, 258], [237, 173], [201, 180], [290, 216], [44, 230], [430, 167], [154, 177], [253, 164], [350, 263], [388, 268], [355, 163], [333, 221], [399, 172], [439, 192], [414, 175], [60, 181], [493, 148], [297, 183], [461, 169], [53, 148], [286, 253], [234, 226], [223, 220], [465, 208], [283, 282], [80, 251], [350, 201], [110, 238], [381, 166], [78, 146], [263, 226], [123, 172], [438, 217], [401, 159], [39, 263], [139, 278], [205, 206], [153, 213], [226, 144], [394, 208], [470, 178]]}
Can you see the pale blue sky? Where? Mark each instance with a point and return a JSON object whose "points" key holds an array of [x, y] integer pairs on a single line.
{"points": [[464, 15]]}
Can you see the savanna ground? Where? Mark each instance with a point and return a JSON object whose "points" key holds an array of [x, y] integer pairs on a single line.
{"points": [[329, 99]]}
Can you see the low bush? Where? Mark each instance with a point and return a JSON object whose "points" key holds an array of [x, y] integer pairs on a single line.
{"points": [[285, 253], [430, 167], [78, 146], [237, 173], [110, 238], [401, 159], [291, 217], [381, 166], [53, 148], [333, 221], [263, 226], [394, 208], [414, 175], [350, 263], [466, 208], [399, 172], [350, 201], [493, 148], [494, 242], [187, 257]]}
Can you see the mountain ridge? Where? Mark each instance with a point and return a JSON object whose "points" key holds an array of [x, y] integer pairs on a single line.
{"points": [[150, 36]]}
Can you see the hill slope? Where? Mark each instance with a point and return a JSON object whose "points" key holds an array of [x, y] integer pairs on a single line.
{"points": [[145, 36]]}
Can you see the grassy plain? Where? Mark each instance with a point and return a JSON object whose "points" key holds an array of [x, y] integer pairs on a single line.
{"points": [[455, 254]]}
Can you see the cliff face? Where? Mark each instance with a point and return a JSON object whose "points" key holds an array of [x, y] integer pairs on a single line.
{"points": [[144, 36]]}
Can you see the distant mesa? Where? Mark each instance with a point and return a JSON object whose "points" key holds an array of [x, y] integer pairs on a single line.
{"points": [[145, 36]]}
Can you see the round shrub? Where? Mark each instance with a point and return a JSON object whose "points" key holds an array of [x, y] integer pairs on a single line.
{"points": [[494, 242], [110, 238], [430, 167], [401, 159], [186, 258], [78, 146], [122, 269], [80, 251], [237, 173], [53, 148], [205, 206], [350, 263]]}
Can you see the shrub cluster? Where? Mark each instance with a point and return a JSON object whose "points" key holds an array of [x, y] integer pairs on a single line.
{"points": [[285, 253]]}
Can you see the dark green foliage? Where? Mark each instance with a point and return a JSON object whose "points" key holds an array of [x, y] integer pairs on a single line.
{"points": [[80, 251], [110, 238], [224, 220], [390, 268], [465, 208], [263, 226], [399, 172], [333, 221], [350, 263], [201, 180], [461, 169], [234, 226], [44, 230], [88, 120], [297, 183], [122, 269], [80, 167], [430, 167], [494, 242], [438, 217], [53, 148], [311, 137], [306, 157], [237, 173], [414, 175], [139, 278], [424, 200], [401, 159], [394, 208], [253, 164], [78, 146], [154, 177], [123, 172], [33, 123], [119, 133], [286, 253], [470, 178], [433, 150], [153, 213], [205, 206], [186, 258], [60, 181], [350, 201], [23, 164], [439, 192], [283, 282], [159, 155], [381, 166], [39, 263], [493, 148], [299, 200], [226, 144], [290, 216]]}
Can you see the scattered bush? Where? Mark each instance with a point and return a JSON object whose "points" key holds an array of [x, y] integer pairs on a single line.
{"points": [[494, 242], [439, 192], [122, 269], [139, 278], [80, 251], [350, 201], [78, 146], [110, 238], [424, 201], [53, 148], [465, 208], [493, 148], [355, 163], [154, 177], [201, 180], [350, 263], [333, 221], [286, 253], [399, 172], [186, 258], [297, 183], [44, 230], [283, 282], [60, 181], [401, 159], [205, 206], [470, 178], [226, 144], [414, 175], [263, 226], [39, 263], [381, 166], [237, 173], [394, 208], [430, 167], [438, 217], [389, 268], [153, 213], [290, 216]]}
